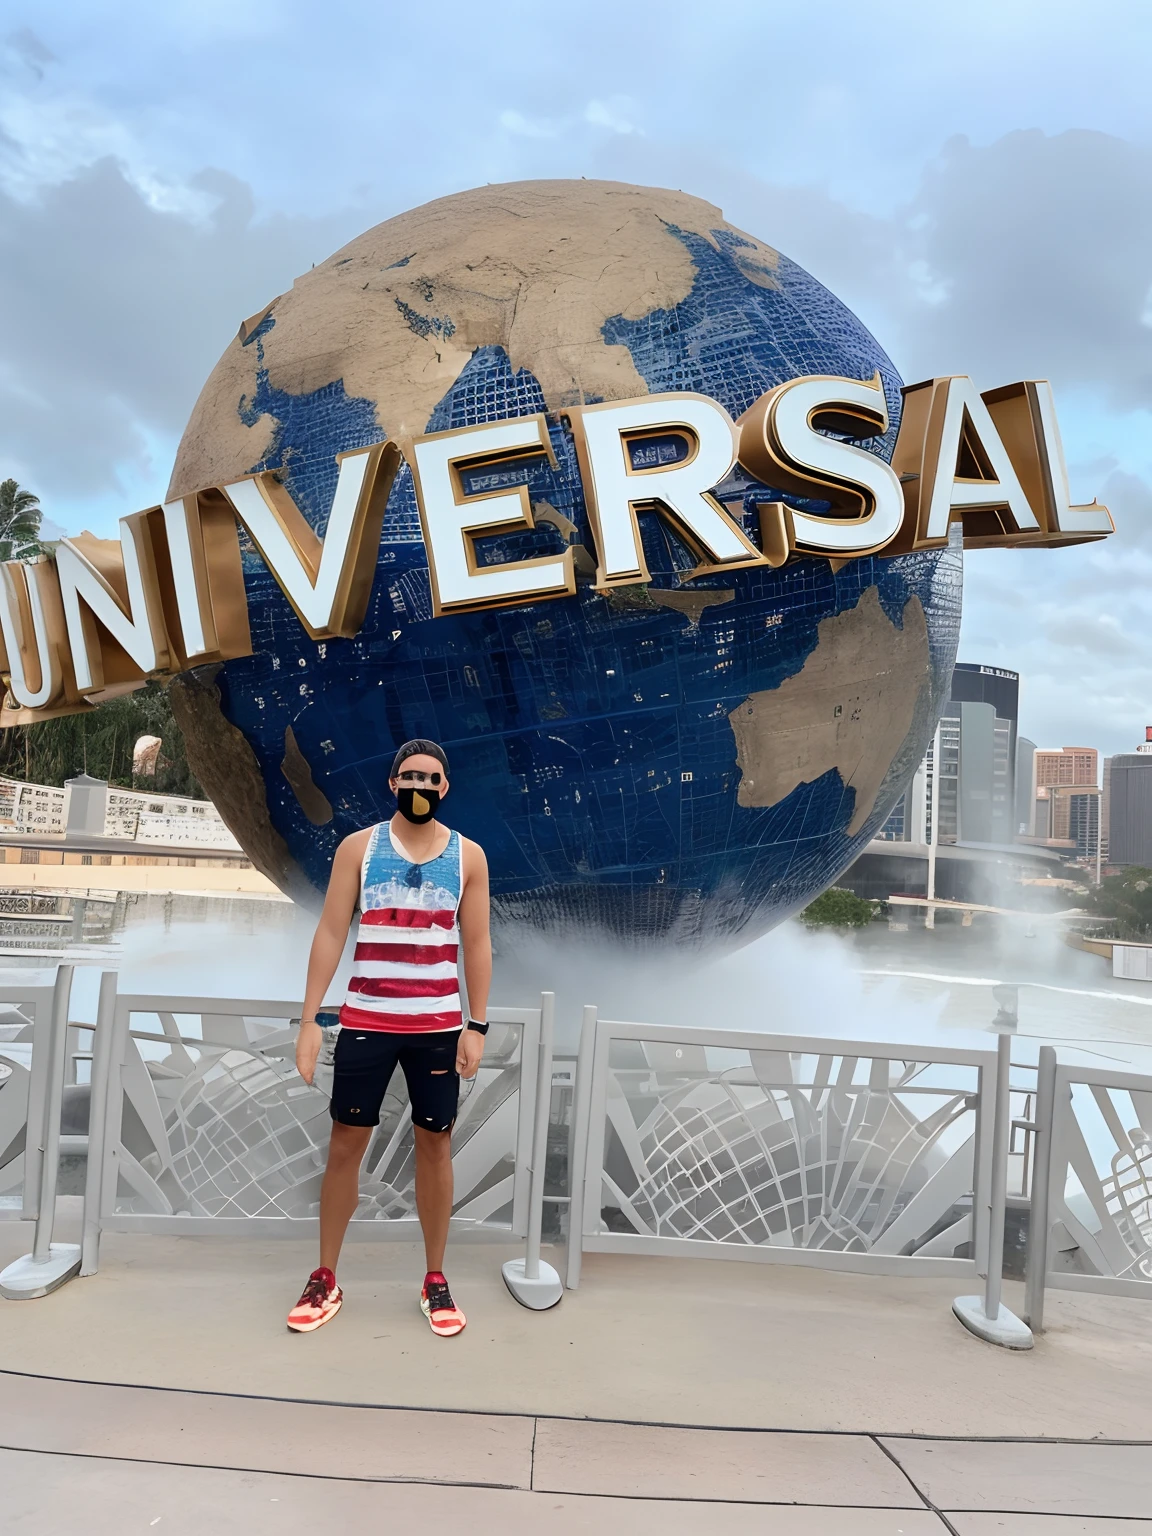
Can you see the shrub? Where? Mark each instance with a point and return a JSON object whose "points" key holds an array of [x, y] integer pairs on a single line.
{"points": [[838, 908]]}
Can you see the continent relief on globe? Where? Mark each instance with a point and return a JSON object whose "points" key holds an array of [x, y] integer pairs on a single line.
{"points": [[535, 268], [855, 694]]}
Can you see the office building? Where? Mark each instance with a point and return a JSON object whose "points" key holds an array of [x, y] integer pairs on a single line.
{"points": [[1066, 765], [977, 793], [1067, 801], [1128, 828], [1083, 821], [1069, 814], [971, 792], [976, 684], [1025, 813]]}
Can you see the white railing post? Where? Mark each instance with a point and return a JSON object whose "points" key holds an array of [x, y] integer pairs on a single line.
{"points": [[581, 1123], [1039, 1204], [102, 1048], [532, 1282], [986, 1316], [37, 1108], [49, 1264]]}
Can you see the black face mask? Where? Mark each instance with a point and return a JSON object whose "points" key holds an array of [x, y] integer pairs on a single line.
{"points": [[417, 805]]}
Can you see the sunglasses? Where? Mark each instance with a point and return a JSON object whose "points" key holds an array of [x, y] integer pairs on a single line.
{"points": [[415, 776]]}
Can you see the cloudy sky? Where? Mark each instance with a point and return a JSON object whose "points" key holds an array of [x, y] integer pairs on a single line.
{"points": [[975, 181]]}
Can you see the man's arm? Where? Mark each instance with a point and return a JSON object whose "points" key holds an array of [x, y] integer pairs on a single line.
{"points": [[328, 946], [476, 943]]}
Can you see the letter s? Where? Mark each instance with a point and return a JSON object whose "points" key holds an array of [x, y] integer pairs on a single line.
{"points": [[781, 444]]}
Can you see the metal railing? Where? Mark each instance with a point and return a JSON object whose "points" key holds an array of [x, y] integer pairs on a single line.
{"points": [[40, 1099], [1090, 1195], [201, 1124], [843, 1154], [25, 1104], [852, 1155]]}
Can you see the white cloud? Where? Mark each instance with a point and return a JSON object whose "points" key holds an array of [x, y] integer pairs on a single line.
{"points": [[528, 128], [616, 114]]}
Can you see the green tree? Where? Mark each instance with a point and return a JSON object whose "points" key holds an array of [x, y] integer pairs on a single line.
{"points": [[19, 522], [838, 908], [100, 743], [1124, 904]]}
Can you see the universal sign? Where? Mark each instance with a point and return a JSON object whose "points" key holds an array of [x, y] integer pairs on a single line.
{"points": [[106, 615]]}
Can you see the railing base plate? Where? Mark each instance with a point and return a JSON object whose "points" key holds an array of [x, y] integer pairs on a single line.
{"points": [[539, 1294], [25, 1278], [1005, 1329]]}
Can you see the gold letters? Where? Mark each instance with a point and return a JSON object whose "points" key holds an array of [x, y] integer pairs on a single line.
{"points": [[107, 615]]}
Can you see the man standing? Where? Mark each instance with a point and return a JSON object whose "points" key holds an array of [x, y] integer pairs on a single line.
{"points": [[422, 891]]}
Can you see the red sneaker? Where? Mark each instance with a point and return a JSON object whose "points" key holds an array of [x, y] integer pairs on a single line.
{"points": [[444, 1316], [320, 1301]]}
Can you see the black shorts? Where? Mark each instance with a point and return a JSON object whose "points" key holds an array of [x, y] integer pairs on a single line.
{"points": [[365, 1060]]}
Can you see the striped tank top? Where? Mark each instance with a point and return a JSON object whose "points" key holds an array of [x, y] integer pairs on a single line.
{"points": [[404, 975]]}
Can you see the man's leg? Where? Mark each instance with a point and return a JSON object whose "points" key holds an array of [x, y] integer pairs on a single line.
{"points": [[340, 1191], [339, 1194], [433, 1192], [434, 1087]]}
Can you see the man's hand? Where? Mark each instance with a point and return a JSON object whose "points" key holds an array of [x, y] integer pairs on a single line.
{"points": [[469, 1049], [308, 1043]]}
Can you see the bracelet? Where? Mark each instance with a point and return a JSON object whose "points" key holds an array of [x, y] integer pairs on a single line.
{"points": [[481, 1029]]}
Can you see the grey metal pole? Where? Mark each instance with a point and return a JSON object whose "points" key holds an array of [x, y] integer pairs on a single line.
{"points": [[998, 1194], [581, 1114], [934, 837], [1040, 1207], [53, 1100], [986, 1316], [540, 1135], [37, 1110], [102, 1047]]}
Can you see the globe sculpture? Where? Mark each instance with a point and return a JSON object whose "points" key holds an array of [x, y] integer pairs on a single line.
{"points": [[685, 761]]}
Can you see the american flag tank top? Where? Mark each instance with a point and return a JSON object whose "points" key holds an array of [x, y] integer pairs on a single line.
{"points": [[404, 974]]}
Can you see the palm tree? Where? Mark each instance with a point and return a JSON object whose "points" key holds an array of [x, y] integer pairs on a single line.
{"points": [[19, 522]]}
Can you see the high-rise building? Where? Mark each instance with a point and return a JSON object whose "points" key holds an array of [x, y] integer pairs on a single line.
{"points": [[1128, 785], [1083, 820], [973, 683], [1025, 812], [1066, 765], [971, 791], [1069, 813]]}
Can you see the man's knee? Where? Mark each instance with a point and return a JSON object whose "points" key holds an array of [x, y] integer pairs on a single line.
{"points": [[434, 1143], [348, 1143]]}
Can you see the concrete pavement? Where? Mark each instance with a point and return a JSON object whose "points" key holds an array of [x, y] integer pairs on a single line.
{"points": [[644, 1339], [78, 1456], [165, 1394]]}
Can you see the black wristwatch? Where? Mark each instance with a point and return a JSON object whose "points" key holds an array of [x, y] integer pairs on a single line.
{"points": [[481, 1029]]}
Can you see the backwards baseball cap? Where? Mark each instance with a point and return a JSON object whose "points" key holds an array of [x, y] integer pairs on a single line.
{"points": [[417, 748]]}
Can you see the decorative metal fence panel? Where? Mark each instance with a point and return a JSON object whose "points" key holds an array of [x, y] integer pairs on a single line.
{"points": [[849, 1155], [1100, 1201], [208, 1124]]}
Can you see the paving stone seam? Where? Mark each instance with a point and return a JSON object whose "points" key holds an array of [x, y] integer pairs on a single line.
{"points": [[420, 1482], [218, 1466], [575, 1493], [912, 1483], [1040, 1514], [584, 1418]]}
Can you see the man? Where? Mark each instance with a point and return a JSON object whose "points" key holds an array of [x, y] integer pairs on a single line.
{"points": [[422, 891]]}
